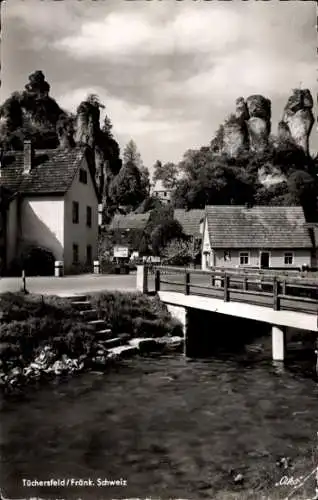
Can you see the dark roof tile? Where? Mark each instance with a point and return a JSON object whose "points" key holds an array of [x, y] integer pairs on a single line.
{"points": [[257, 227], [189, 220], [129, 221], [52, 172]]}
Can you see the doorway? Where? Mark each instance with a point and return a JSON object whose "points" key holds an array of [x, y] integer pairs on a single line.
{"points": [[264, 260]]}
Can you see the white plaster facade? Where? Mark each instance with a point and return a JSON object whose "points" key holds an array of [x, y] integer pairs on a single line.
{"points": [[230, 257], [80, 234], [46, 221]]}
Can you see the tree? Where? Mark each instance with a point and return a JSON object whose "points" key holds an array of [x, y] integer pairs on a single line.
{"points": [[182, 251], [132, 155], [31, 114], [167, 173], [126, 188], [107, 127], [148, 204], [131, 186], [145, 180], [162, 234], [303, 191]]}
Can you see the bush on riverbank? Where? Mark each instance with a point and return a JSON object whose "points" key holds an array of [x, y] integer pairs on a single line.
{"points": [[134, 313], [31, 326], [28, 322]]}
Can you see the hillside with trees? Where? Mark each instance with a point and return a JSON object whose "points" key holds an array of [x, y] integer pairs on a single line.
{"points": [[244, 162], [33, 114]]}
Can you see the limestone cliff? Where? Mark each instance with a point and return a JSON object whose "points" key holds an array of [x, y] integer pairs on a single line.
{"points": [[104, 147], [248, 128], [235, 138], [65, 132], [298, 118], [87, 124], [259, 121]]}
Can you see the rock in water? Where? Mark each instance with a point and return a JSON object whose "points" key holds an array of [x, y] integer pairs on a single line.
{"points": [[298, 117]]}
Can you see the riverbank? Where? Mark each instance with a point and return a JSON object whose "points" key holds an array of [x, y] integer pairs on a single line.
{"points": [[46, 337]]}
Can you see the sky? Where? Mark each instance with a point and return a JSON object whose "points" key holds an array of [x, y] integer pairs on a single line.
{"points": [[167, 71]]}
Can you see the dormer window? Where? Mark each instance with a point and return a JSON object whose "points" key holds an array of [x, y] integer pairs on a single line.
{"points": [[83, 176]]}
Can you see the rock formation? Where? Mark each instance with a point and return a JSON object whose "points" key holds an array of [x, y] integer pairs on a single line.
{"points": [[298, 118], [235, 139], [259, 121], [248, 128], [104, 147], [87, 124], [65, 132]]}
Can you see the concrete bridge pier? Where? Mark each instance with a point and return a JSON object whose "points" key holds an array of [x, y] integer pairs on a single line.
{"points": [[278, 343]]}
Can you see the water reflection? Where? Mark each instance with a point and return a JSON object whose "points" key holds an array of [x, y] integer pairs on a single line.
{"points": [[172, 427]]}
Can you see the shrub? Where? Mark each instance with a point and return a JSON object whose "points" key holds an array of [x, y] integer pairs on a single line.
{"points": [[136, 314], [28, 322]]}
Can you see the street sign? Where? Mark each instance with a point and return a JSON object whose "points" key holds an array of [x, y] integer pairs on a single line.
{"points": [[121, 252]]}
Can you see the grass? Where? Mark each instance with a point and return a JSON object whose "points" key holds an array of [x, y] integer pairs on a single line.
{"points": [[135, 313], [29, 322]]}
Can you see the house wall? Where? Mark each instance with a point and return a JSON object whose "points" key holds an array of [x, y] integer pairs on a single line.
{"points": [[12, 231], [42, 224], [79, 233], [276, 259], [215, 257], [207, 256], [162, 197]]}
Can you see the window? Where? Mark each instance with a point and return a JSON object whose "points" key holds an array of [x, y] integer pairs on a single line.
{"points": [[165, 193], [89, 216], [83, 176], [288, 258], [244, 258], [89, 254], [75, 212], [75, 253]]}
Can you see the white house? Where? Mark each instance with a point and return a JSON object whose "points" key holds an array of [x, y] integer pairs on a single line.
{"points": [[158, 190], [257, 237], [53, 205]]}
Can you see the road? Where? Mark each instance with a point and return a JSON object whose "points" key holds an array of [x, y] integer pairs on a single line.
{"points": [[69, 285]]}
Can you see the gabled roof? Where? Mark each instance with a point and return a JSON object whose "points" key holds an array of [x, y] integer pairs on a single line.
{"points": [[53, 171], [257, 227], [190, 220], [129, 221]]}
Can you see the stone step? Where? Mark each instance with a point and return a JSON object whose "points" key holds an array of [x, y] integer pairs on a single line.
{"points": [[97, 324], [89, 314], [104, 333], [122, 351], [114, 342], [82, 304]]}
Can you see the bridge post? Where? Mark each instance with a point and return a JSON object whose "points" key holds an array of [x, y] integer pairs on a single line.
{"points": [[278, 343], [142, 279], [226, 288], [245, 285], [275, 294], [187, 283], [157, 280]]}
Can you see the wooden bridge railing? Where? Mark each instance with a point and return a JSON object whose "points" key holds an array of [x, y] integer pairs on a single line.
{"points": [[275, 291]]}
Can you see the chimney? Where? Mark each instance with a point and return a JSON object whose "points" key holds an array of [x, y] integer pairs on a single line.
{"points": [[28, 154]]}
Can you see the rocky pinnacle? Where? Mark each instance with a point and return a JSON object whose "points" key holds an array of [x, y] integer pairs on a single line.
{"points": [[298, 118]]}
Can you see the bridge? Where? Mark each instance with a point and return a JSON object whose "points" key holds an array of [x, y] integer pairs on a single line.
{"points": [[275, 298]]}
